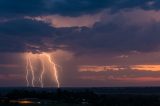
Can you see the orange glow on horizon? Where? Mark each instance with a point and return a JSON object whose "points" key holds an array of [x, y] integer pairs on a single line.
{"points": [[125, 79], [146, 67], [87, 68], [142, 79]]}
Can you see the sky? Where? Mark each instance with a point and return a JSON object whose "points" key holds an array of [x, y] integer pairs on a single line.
{"points": [[98, 43]]}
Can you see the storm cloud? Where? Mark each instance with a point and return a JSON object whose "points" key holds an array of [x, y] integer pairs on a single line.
{"points": [[117, 30], [69, 7]]}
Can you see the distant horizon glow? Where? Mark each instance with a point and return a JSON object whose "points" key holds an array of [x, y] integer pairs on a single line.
{"points": [[92, 68]]}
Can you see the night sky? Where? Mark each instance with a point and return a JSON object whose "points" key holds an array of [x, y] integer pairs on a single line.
{"points": [[98, 43]]}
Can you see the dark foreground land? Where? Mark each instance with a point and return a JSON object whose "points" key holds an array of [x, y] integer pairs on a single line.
{"points": [[146, 96]]}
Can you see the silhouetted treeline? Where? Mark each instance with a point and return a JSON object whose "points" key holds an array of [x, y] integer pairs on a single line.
{"points": [[88, 98]]}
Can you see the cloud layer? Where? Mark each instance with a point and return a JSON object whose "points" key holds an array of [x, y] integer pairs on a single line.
{"points": [[89, 25]]}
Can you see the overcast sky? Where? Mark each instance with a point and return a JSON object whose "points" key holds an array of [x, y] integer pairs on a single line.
{"points": [[96, 42]]}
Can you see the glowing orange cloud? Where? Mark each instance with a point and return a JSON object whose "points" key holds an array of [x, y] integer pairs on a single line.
{"points": [[146, 67], [99, 68], [66, 21], [87, 68]]}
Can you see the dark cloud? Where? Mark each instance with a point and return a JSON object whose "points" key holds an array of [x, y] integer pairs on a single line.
{"points": [[117, 35], [114, 36], [15, 35], [45, 7], [103, 37], [20, 35], [17, 8]]}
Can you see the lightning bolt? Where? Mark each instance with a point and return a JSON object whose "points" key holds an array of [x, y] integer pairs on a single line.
{"points": [[54, 68], [42, 73], [30, 68], [32, 71], [27, 72]]}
